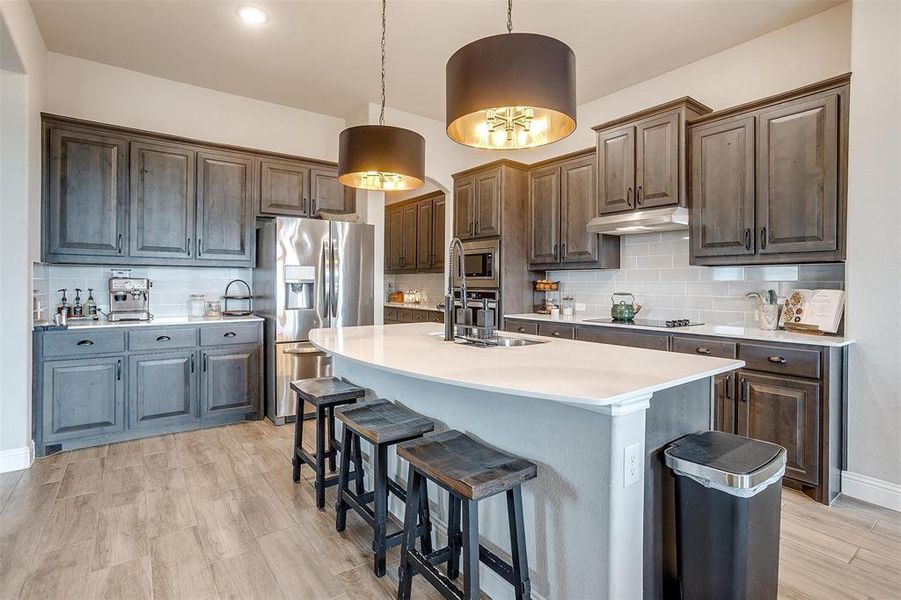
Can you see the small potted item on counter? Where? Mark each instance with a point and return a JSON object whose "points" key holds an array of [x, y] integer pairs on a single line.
{"points": [[767, 308]]}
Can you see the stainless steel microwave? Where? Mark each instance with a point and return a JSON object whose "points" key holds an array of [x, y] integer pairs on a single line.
{"points": [[482, 261]]}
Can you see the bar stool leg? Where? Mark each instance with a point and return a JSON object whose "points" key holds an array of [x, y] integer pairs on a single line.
{"points": [[425, 520], [358, 465], [470, 550], [453, 536], [518, 543], [380, 506], [296, 462], [341, 505], [408, 542], [331, 438], [320, 457]]}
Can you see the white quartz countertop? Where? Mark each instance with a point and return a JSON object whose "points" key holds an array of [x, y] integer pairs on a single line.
{"points": [[748, 333], [578, 373], [156, 322], [413, 306]]}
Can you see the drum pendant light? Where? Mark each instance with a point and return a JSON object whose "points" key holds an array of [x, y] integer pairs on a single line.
{"points": [[380, 157], [510, 91]]}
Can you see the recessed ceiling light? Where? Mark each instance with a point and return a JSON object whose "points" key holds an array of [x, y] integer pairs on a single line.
{"points": [[253, 15]]}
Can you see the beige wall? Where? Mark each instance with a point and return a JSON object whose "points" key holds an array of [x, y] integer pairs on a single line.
{"points": [[22, 98], [874, 250]]}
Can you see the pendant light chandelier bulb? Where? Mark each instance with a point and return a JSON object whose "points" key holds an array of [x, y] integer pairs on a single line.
{"points": [[381, 157], [511, 91]]}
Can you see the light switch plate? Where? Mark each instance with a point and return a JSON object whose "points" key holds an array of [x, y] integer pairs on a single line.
{"points": [[631, 464]]}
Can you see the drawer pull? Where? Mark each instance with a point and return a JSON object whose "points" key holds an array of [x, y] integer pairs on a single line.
{"points": [[85, 343], [556, 334], [702, 350], [776, 359], [521, 329], [164, 338], [229, 334]]}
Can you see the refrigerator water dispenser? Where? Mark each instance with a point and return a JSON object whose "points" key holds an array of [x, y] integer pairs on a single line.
{"points": [[299, 287]]}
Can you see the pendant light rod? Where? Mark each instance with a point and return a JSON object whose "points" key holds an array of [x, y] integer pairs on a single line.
{"points": [[384, 28], [509, 16]]}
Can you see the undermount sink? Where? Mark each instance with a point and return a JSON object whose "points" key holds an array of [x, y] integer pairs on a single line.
{"points": [[508, 342]]}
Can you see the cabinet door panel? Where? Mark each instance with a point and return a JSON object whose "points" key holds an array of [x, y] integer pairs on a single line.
{"points": [[578, 205], [616, 170], [162, 389], [82, 398], [544, 215], [724, 402], [424, 216], [488, 203], [394, 243], [722, 188], [464, 192], [408, 257], [797, 177], [231, 381], [162, 200], [439, 246], [284, 187], [224, 190], [784, 411], [86, 193], [657, 161], [326, 192]]}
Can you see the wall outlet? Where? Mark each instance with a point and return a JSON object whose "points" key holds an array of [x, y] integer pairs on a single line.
{"points": [[631, 464]]}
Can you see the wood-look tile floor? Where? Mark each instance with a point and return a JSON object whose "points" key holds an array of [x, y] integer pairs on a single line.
{"points": [[214, 514]]}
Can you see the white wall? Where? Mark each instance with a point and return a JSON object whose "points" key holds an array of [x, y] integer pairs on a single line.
{"points": [[22, 94], [874, 250], [99, 92]]}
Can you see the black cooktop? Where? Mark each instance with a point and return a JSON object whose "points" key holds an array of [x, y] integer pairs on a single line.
{"points": [[669, 323]]}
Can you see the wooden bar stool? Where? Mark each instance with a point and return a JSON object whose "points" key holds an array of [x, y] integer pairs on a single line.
{"points": [[324, 393], [382, 424], [469, 471]]}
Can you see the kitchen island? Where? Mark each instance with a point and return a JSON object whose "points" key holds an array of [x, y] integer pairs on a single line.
{"points": [[594, 417]]}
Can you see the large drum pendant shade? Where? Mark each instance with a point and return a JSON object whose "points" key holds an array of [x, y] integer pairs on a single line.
{"points": [[381, 157], [509, 91]]}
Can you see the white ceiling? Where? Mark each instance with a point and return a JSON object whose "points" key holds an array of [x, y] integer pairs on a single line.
{"points": [[323, 56]]}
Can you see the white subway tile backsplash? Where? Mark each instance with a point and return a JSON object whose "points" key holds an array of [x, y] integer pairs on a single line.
{"points": [[655, 268]]}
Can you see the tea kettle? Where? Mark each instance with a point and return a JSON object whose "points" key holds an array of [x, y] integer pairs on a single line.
{"points": [[620, 311]]}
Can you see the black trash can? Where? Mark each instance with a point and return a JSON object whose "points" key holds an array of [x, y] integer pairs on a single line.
{"points": [[728, 504]]}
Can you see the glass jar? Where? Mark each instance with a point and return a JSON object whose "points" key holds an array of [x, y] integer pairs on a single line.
{"points": [[213, 309], [196, 306], [569, 306]]}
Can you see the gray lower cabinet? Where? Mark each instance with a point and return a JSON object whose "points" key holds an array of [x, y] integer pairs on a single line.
{"points": [[82, 397], [162, 389], [231, 379], [109, 385]]}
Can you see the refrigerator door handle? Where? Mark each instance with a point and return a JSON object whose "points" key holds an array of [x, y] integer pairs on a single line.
{"points": [[333, 269], [324, 268]]}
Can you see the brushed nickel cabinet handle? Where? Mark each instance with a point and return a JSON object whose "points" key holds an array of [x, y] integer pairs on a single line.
{"points": [[192, 363], [763, 237], [119, 243], [638, 197], [629, 196], [164, 338], [702, 350], [556, 334], [199, 250], [748, 238], [119, 370], [188, 246], [229, 334], [776, 359], [85, 343]]}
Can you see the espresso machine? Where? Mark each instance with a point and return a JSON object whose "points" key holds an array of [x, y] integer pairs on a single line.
{"points": [[129, 297]]}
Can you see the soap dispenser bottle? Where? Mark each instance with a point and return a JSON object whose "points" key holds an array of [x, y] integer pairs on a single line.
{"points": [[63, 307], [77, 308], [90, 305]]}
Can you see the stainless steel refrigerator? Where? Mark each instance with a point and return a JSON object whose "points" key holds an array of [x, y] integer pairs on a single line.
{"points": [[309, 274]]}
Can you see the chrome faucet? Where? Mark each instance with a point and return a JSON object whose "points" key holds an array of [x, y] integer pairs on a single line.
{"points": [[454, 259]]}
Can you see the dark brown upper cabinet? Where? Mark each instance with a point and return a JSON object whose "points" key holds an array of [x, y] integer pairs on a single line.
{"points": [[641, 158], [769, 179], [562, 199], [162, 200], [224, 206], [414, 234], [480, 197], [327, 193], [85, 194], [283, 187]]}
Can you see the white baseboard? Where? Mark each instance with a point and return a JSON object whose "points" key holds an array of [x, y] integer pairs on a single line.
{"points": [[872, 490], [16, 459]]}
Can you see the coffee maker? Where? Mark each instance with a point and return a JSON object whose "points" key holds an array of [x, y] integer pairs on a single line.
{"points": [[129, 297]]}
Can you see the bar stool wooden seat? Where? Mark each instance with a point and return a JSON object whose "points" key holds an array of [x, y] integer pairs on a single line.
{"points": [[324, 393], [470, 471], [381, 423]]}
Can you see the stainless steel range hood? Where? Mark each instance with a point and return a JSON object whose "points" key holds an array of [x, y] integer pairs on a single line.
{"points": [[641, 221]]}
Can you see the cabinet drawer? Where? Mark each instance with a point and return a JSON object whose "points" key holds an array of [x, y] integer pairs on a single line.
{"points": [[688, 345], [420, 316], [405, 315], [781, 360], [239, 333], [162, 339], [74, 343], [436, 316], [561, 331], [390, 313], [521, 327], [619, 337]]}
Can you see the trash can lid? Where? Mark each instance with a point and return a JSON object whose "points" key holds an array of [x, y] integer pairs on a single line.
{"points": [[729, 460]]}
